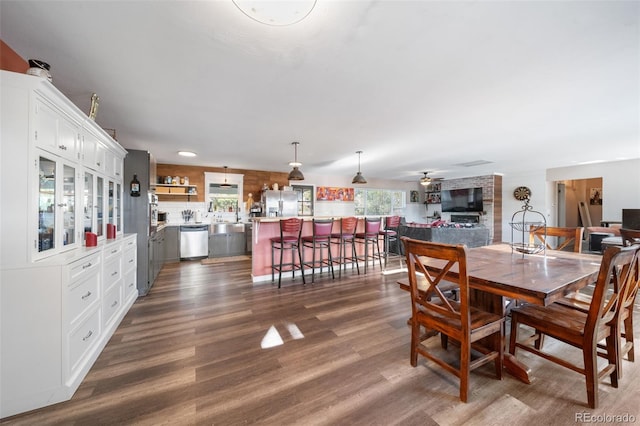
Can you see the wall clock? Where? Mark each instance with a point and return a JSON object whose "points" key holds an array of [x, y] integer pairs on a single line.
{"points": [[522, 193]]}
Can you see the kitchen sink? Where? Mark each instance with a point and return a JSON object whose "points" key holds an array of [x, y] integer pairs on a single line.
{"points": [[226, 228]]}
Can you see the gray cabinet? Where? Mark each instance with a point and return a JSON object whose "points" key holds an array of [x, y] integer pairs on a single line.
{"points": [[172, 244], [156, 255], [230, 244]]}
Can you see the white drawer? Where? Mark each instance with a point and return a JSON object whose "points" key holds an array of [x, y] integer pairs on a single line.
{"points": [[83, 338], [111, 303], [112, 272], [88, 265], [82, 295], [112, 250], [129, 283], [129, 243], [129, 259]]}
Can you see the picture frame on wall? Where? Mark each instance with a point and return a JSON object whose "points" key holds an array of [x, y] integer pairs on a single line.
{"points": [[413, 196], [595, 196]]}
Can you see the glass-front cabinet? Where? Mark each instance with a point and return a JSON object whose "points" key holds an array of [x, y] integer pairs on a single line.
{"points": [[100, 224], [118, 209], [111, 198], [88, 204], [46, 204], [68, 205], [57, 220]]}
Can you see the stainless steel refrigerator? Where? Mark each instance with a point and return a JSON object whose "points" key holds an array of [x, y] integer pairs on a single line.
{"points": [[280, 203], [139, 211]]}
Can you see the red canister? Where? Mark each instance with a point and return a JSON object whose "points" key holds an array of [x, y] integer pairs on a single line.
{"points": [[91, 239], [111, 231]]}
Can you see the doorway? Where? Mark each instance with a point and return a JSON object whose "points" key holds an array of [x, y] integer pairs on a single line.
{"points": [[579, 202]]}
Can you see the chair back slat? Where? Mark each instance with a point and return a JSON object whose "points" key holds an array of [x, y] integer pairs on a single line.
{"points": [[348, 225], [448, 258], [290, 227], [392, 222], [616, 274], [567, 238]]}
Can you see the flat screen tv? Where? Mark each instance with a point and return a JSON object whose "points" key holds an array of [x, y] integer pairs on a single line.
{"points": [[461, 200]]}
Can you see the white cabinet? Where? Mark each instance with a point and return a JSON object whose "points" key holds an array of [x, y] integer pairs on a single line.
{"points": [[54, 131], [57, 188], [129, 269], [93, 151], [60, 301], [84, 288], [82, 329]]}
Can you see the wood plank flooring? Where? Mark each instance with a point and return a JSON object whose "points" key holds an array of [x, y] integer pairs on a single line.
{"points": [[189, 353]]}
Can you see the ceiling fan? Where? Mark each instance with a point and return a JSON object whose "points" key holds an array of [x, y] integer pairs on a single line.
{"points": [[426, 180]]}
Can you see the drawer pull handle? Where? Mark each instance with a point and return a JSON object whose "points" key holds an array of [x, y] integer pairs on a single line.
{"points": [[114, 273], [114, 304], [86, 295], [130, 284], [130, 260], [114, 251], [62, 147], [88, 265], [89, 334]]}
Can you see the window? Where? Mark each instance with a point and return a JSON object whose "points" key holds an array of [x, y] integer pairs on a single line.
{"points": [[305, 199], [375, 202]]}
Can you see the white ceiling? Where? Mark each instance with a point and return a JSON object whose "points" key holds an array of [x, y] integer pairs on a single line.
{"points": [[415, 85]]}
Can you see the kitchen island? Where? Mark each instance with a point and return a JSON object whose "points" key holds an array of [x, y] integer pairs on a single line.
{"points": [[265, 228]]}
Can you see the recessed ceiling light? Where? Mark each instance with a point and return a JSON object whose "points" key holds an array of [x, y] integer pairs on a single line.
{"points": [[187, 153], [276, 13]]}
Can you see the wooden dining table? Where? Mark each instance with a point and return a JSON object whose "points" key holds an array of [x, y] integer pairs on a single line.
{"points": [[496, 274]]}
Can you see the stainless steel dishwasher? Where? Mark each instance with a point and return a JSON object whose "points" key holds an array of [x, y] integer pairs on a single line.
{"points": [[194, 241]]}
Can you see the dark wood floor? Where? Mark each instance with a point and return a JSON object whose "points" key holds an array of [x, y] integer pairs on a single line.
{"points": [[190, 353]]}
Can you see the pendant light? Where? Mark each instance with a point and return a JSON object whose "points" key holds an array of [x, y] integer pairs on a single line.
{"points": [[225, 184], [295, 174], [358, 178], [425, 181]]}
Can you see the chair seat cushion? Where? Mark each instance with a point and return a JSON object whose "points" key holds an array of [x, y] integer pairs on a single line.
{"points": [[388, 232], [363, 235], [277, 240], [343, 236], [310, 239]]}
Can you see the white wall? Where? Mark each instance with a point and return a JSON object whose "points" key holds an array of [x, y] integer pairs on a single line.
{"points": [[620, 189]]}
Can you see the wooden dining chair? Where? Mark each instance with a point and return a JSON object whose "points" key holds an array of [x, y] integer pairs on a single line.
{"points": [[630, 236], [458, 320], [622, 323], [579, 329], [566, 238]]}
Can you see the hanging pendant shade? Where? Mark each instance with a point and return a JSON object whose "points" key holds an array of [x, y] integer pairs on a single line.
{"points": [[225, 184], [295, 174], [358, 178]]}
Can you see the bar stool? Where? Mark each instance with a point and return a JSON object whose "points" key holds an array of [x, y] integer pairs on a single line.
{"points": [[320, 240], [390, 234], [346, 236], [370, 236], [290, 231]]}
